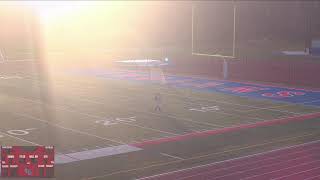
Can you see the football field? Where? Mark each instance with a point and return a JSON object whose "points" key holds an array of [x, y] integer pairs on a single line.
{"points": [[160, 90], [108, 128]]}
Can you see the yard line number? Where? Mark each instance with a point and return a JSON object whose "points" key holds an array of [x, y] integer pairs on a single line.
{"points": [[206, 109], [114, 121], [20, 132], [284, 94]]}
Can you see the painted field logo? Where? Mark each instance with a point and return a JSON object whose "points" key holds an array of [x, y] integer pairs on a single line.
{"points": [[284, 94], [245, 89]]}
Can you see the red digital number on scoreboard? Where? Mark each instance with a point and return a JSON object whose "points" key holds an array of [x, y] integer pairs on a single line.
{"points": [[27, 161]]}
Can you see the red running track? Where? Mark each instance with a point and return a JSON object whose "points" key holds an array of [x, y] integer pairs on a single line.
{"points": [[290, 163]]}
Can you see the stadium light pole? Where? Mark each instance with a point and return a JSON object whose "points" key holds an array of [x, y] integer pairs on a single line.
{"points": [[308, 29], [192, 26]]}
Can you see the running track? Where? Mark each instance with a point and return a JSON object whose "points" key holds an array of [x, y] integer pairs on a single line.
{"points": [[294, 163]]}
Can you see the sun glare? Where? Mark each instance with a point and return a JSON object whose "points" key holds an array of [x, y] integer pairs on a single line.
{"points": [[51, 10]]}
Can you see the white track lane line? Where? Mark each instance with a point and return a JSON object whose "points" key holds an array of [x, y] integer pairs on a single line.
{"points": [[269, 165], [197, 157], [171, 156], [243, 164], [314, 177], [233, 159], [296, 173]]}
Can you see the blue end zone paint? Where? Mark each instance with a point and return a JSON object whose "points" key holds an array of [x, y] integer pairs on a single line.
{"points": [[317, 103], [282, 94]]}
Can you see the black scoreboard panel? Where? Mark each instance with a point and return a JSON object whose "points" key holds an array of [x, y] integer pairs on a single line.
{"points": [[27, 161]]}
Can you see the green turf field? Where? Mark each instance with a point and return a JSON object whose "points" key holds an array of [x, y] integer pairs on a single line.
{"points": [[81, 114]]}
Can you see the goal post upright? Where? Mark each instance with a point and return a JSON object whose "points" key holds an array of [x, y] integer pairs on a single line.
{"points": [[225, 58], [2, 56], [192, 24], [234, 29]]}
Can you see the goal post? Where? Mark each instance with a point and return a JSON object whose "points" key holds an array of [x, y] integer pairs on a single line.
{"points": [[232, 46], [222, 43]]}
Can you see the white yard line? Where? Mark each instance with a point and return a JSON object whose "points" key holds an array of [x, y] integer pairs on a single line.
{"points": [[171, 156], [68, 129], [235, 104], [159, 115], [30, 142], [223, 102], [302, 103], [257, 108], [172, 116], [206, 100], [94, 116]]}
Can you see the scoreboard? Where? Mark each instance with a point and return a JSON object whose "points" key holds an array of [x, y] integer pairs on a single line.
{"points": [[27, 161]]}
